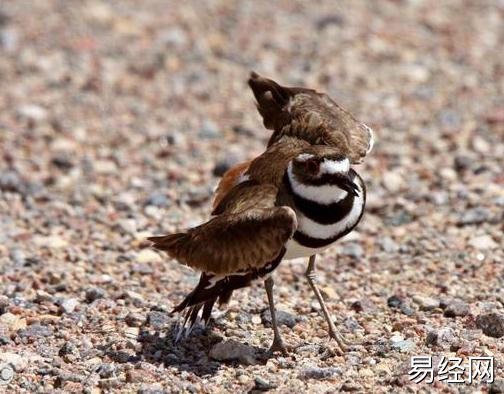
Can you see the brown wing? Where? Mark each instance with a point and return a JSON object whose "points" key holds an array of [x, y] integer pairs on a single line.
{"points": [[309, 115], [249, 232]]}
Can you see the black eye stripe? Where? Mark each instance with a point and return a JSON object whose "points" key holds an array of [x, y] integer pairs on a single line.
{"points": [[312, 166]]}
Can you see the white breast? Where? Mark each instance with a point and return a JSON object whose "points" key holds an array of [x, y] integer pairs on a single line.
{"points": [[295, 250]]}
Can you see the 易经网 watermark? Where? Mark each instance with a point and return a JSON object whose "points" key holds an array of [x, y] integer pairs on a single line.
{"points": [[6, 373], [452, 370]]}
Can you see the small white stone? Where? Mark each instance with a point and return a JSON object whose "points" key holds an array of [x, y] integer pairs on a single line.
{"points": [[128, 225], [393, 182], [53, 241], [8, 319], [69, 305], [480, 144], [105, 167], [32, 112], [148, 256], [483, 242], [396, 338], [18, 362], [448, 173]]}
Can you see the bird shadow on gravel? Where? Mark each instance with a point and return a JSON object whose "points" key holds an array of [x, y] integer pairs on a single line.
{"points": [[190, 354]]}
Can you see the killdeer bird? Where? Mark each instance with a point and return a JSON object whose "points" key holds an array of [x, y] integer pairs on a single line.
{"points": [[304, 114], [294, 200]]}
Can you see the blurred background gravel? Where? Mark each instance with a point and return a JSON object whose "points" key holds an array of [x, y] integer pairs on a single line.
{"points": [[116, 120]]}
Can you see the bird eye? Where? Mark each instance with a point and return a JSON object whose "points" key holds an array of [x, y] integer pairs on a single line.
{"points": [[312, 166]]}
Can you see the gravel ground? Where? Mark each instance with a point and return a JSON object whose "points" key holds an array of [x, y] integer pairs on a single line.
{"points": [[116, 119]]}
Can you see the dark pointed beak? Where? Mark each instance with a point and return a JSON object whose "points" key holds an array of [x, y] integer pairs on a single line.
{"points": [[348, 185]]}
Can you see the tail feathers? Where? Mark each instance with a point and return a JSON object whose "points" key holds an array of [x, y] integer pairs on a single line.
{"points": [[168, 243], [200, 302], [193, 316]]}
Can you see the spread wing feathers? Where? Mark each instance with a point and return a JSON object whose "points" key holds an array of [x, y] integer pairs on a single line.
{"points": [[242, 237], [310, 115]]}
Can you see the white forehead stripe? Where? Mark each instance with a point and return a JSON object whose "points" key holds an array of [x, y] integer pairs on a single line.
{"points": [[334, 166], [304, 156]]}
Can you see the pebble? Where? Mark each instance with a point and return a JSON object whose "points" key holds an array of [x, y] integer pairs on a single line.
{"points": [[457, 308], [52, 242], [314, 372], [462, 163], [263, 385], [492, 324], [129, 226], [426, 303], [404, 346], [136, 376], [365, 306], [157, 199], [11, 321], [392, 181], [94, 293], [104, 167], [351, 324], [4, 304], [388, 245], [36, 331], [16, 360], [107, 371], [476, 215], [283, 318], [232, 350], [69, 305], [353, 249], [256, 319], [143, 269], [10, 181], [62, 161], [308, 349], [9, 39], [32, 112], [135, 298], [483, 242], [156, 388], [443, 337], [69, 352], [157, 320], [209, 130], [18, 256], [133, 319], [394, 301], [148, 256]]}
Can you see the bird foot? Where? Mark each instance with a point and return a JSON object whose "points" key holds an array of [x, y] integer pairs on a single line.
{"points": [[279, 346], [344, 344]]}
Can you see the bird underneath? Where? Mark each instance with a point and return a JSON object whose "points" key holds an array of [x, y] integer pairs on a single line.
{"points": [[294, 200]]}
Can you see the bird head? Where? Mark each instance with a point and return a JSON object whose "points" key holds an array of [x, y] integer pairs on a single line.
{"points": [[320, 166]]}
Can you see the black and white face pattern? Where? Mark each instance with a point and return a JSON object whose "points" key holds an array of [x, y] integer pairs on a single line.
{"points": [[329, 201]]}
